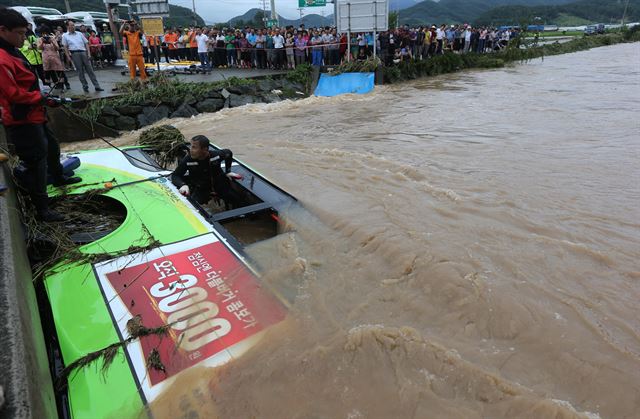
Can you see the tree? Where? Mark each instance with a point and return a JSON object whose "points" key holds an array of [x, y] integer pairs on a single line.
{"points": [[258, 20], [393, 19]]}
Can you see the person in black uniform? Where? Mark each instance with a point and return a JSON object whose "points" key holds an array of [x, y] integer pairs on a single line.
{"points": [[200, 173]]}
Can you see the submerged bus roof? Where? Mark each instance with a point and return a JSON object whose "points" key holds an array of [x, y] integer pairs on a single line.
{"points": [[168, 268]]}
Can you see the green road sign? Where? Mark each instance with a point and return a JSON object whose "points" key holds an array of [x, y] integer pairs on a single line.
{"points": [[312, 3], [271, 23]]}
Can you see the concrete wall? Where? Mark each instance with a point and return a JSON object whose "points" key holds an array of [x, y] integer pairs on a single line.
{"points": [[24, 369]]}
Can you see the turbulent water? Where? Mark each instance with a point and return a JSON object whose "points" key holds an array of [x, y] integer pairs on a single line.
{"points": [[469, 248]]}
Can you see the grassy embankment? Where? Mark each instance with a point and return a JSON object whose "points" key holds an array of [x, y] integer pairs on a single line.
{"points": [[164, 89], [554, 34]]}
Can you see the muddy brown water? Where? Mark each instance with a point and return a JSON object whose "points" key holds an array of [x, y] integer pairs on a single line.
{"points": [[470, 248]]}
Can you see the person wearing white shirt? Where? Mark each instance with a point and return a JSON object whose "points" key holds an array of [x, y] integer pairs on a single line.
{"points": [[326, 40], [145, 49], [202, 40], [278, 41], [278, 46], [76, 50], [467, 39], [440, 35]]}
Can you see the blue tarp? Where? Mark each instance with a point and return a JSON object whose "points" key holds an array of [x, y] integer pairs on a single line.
{"points": [[344, 83]]}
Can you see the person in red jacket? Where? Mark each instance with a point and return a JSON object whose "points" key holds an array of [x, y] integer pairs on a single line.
{"points": [[24, 117]]}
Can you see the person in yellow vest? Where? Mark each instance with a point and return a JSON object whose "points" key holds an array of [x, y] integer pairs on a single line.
{"points": [[426, 47], [32, 52], [133, 35]]}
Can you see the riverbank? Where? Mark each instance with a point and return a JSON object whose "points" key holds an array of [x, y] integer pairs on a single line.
{"points": [[142, 104], [111, 77], [449, 63]]}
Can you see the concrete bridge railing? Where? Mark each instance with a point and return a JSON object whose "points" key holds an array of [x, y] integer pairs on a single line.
{"points": [[24, 368]]}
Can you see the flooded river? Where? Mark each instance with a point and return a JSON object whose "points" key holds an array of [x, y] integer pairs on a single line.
{"points": [[470, 248]]}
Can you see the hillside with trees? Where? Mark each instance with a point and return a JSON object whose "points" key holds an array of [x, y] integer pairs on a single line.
{"points": [[460, 11], [179, 16], [254, 17], [576, 13]]}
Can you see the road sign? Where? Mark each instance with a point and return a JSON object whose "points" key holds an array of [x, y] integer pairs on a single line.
{"points": [[150, 8], [152, 26], [312, 3], [363, 15], [271, 23]]}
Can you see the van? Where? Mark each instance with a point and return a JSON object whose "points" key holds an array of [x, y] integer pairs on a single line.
{"points": [[597, 29], [38, 16], [91, 20]]}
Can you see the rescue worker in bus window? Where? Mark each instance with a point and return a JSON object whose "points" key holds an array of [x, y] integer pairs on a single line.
{"points": [[24, 117], [200, 173]]}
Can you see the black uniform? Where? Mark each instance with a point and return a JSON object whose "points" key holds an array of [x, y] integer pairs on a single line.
{"points": [[205, 176]]}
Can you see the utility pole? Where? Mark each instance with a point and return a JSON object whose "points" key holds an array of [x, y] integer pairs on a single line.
{"points": [[66, 6], [114, 31], [264, 13], [624, 14], [274, 15], [195, 16]]}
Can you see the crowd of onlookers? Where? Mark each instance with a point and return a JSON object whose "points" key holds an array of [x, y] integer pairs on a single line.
{"points": [[274, 48], [425, 42], [282, 48], [52, 52]]}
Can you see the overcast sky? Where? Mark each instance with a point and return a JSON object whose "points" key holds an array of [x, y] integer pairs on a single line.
{"points": [[223, 10]]}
